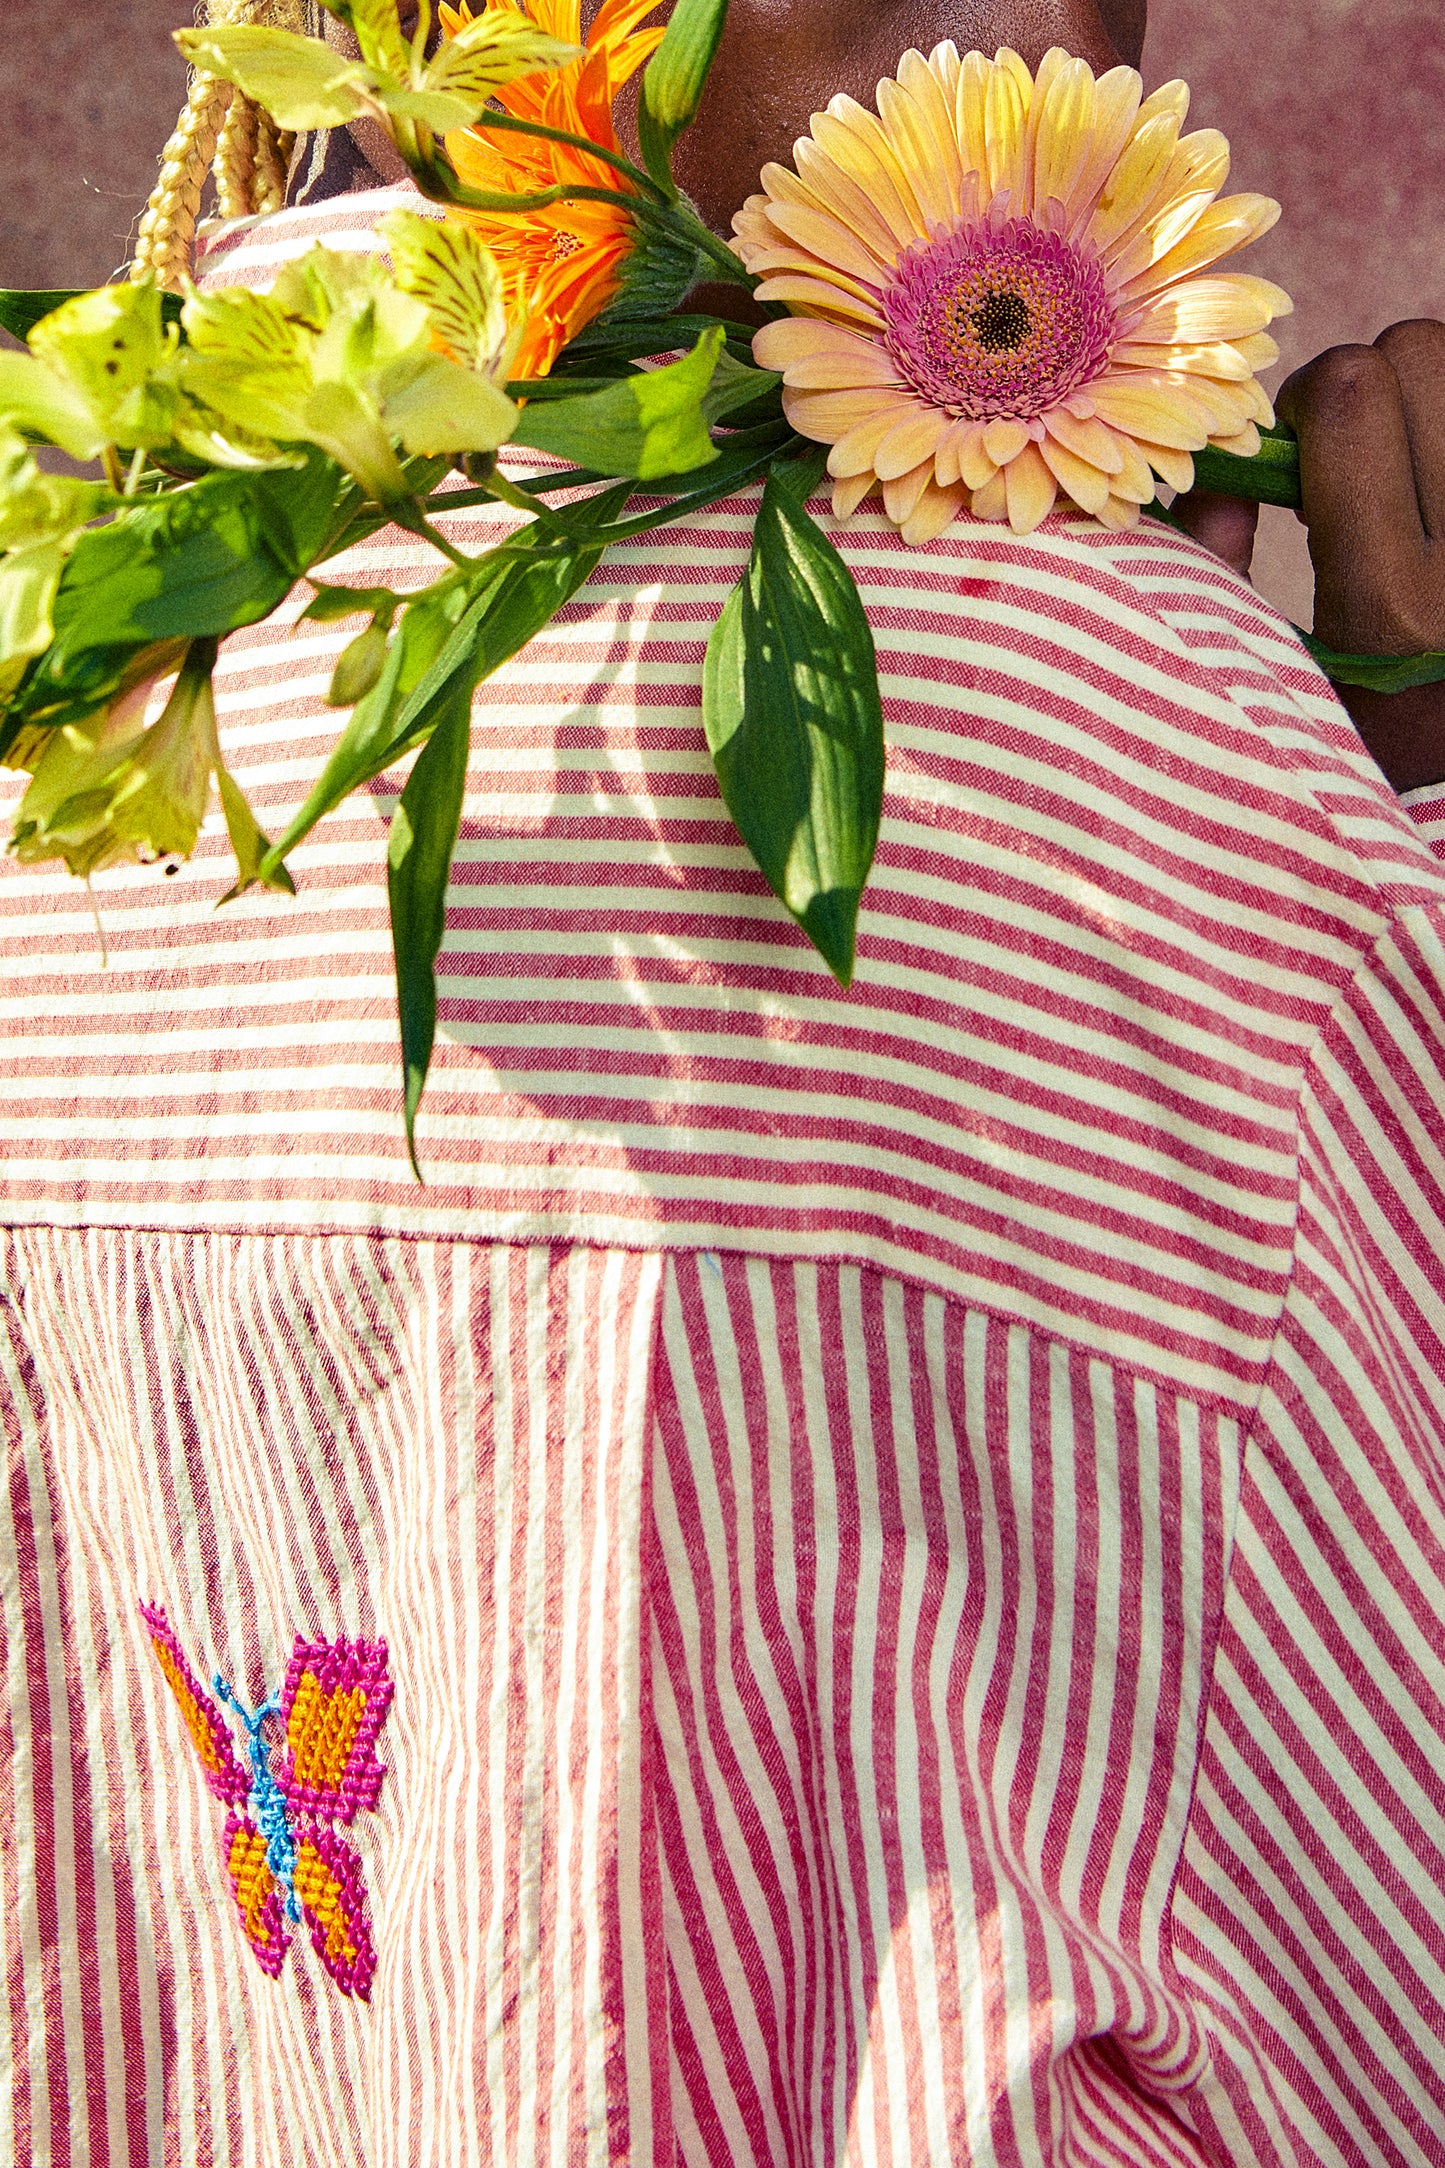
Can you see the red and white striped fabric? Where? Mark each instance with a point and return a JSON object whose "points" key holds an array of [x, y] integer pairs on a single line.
{"points": [[909, 1525]]}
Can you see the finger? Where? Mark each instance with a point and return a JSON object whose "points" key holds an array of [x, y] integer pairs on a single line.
{"points": [[1225, 525], [1357, 481], [1416, 353]]}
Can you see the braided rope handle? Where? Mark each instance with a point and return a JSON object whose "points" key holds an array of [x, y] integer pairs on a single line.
{"points": [[219, 131]]}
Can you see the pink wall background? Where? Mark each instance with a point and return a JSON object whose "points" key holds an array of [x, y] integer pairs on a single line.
{"points": [[1337, 107]]}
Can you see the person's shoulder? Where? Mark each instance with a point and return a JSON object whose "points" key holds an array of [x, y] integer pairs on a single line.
{"points": [[251, 251], [1178, 674]]}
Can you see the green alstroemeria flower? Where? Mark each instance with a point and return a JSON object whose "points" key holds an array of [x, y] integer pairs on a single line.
{"points": [[41, 516], [339, 356], [304, 83], [103, 370], [112, 791]]}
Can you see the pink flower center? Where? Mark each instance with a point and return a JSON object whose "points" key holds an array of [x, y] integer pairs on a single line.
{"points": [[992, 324]]}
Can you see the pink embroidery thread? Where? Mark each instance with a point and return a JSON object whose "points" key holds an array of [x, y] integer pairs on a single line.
{"points": [[283, 1862]]}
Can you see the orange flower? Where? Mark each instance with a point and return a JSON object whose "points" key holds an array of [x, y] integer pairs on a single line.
{"points": [[561, 266]]}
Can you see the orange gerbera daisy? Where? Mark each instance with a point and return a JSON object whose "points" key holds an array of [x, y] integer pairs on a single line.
{"points": [[997, 292], [561, 265]]}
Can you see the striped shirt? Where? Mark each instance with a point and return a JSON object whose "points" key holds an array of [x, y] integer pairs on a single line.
{"points": [[908, 1524]]}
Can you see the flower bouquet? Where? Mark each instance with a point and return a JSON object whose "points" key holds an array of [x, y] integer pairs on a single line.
{"points": [[997, 294]]}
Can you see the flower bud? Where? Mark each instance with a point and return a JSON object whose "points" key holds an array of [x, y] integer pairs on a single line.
{"points": [[358, 667]]}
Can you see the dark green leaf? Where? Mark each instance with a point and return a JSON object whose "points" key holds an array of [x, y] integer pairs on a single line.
{"points": [[644, 426], [418, 862], [1378, 673], [23, 307], [632, 340], [673, 83], [458, 632], [195, 563], [794, 720], [750, 395]]}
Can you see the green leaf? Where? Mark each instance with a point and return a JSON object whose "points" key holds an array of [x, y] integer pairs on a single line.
{"points": [[301, 82], [418, 862], [794, 720], [673, 83], [1377, 673], [644, 426], [1270, 477], [461, 629], [737, 384], [197, 562], [22, 307]]}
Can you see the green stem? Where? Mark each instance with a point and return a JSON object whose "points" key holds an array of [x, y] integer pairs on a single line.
{"points": [[505, 493], [110, 460], [136, 470], [412, 517]]}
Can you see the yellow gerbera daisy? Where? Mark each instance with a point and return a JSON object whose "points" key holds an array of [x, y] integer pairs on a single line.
{"points": [[997, 295], [561, 265]]}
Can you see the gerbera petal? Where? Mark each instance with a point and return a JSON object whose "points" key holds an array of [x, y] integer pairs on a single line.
{"points": [[1119, 512], [787, 339], [1004, 440], [1135, 481], [1088, 487], [991, 502], [1132, 189], [969, 103], [874, 209], [1119, 93], [960, 438], [818, 294], [1031, 490], [849, 491], [944, 65], [1171, 97], [1221, 359], [936, 509], [915, 435], [1228, 306], [859, 142], [825, 416], [1174, 467], [1091, 440], [914, 112], [901, 494], [1245, 445], [1259, 350], [1144, 410], [1063, 121], [1005, 120], [1218, 230], [853, 453], [828, 241], [820, 186]]}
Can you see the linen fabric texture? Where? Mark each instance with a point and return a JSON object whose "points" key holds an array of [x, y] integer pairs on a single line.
{"points": [[907, 1523]]}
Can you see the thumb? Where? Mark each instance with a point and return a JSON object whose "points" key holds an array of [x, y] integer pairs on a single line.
{"points": [[1225, 525]]}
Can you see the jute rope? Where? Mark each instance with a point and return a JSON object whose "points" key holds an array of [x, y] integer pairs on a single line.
{"points": [[219, 131]]}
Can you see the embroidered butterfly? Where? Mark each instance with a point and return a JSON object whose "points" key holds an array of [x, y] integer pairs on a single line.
{"points": [[285, 1863]]}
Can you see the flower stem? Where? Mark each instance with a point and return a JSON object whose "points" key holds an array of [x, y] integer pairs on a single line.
{"points": [[410, 515]]}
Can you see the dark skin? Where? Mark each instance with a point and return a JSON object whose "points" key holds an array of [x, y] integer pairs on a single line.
{"points": [[1370, 419]]}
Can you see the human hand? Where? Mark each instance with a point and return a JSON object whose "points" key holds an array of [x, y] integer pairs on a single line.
{"points": [[1371, 425]]}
